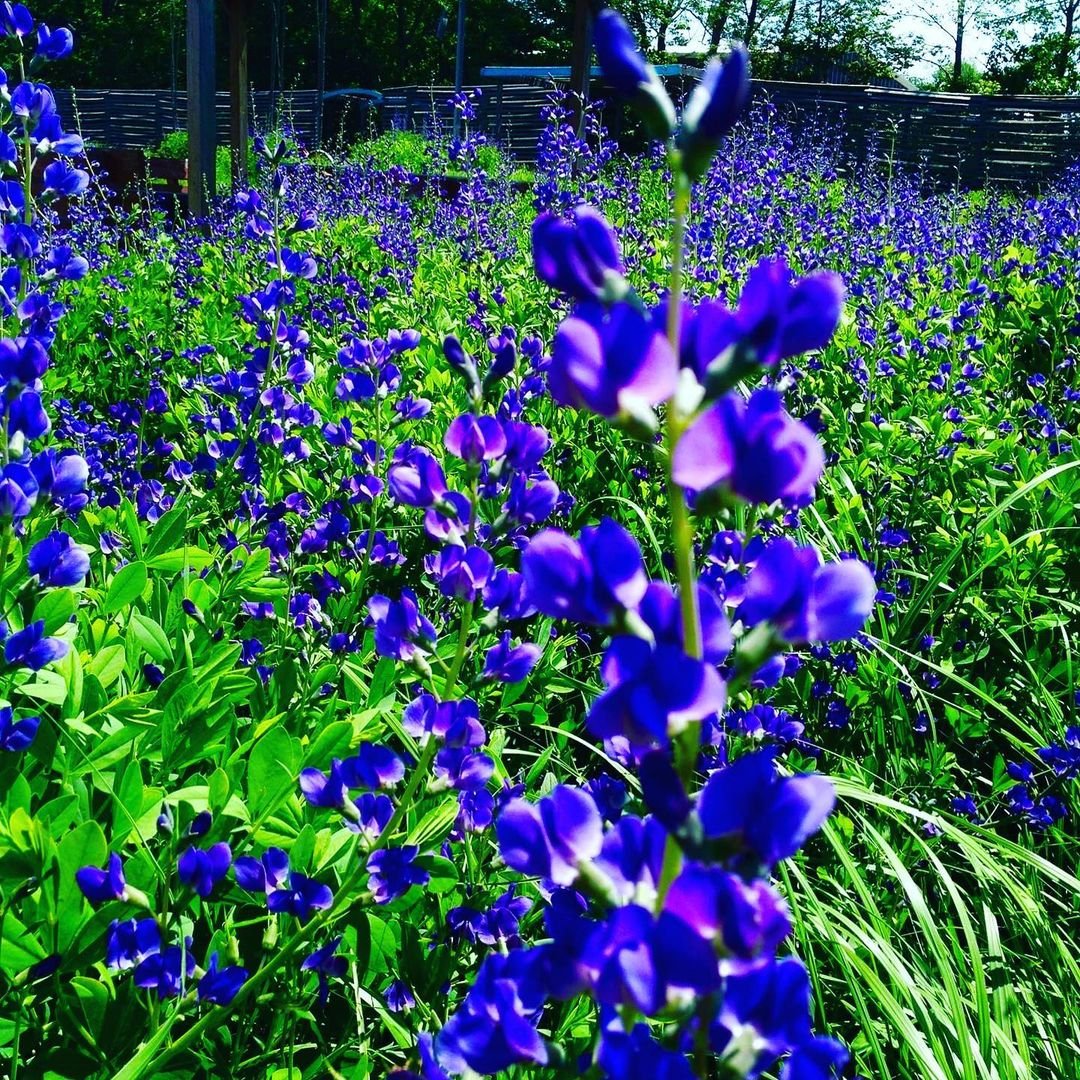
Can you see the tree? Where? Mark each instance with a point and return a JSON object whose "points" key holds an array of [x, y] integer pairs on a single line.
{"points": [[955, 19], [805, 38], [1055, 23], [972, 81], [759, 22], [658, 24], [1032, 68]]}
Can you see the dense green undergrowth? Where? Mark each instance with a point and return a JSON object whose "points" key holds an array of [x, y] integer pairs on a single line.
{"points": [[940, 933]]}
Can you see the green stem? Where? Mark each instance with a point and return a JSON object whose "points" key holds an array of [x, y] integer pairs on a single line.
{"points": [[682, 529], [5, 551], [462, 651], [16, 1036], [365, 564]]}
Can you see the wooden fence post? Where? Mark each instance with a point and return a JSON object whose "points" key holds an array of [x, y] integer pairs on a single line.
{"points": [[581, 62], [239, 121], [201, 122]]}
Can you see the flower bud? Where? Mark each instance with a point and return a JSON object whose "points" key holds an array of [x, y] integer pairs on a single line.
{"points": [[579, 256], [462, 363], [630, 74], [715, 105]]}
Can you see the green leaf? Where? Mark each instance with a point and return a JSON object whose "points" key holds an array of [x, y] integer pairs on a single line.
{"points": [[444, 874], [383, 947], [383, 681], [217, 790], [169, 530], [55, 607], [151, 637], [126, 587], [107, 665], [127, 801], [190, 558], [19, 947], [93, 996], [273, 770], [83, 846], [335, 740]]}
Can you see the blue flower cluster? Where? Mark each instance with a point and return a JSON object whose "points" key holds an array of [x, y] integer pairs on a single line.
{"points": [[667, 922], [35, 155]]}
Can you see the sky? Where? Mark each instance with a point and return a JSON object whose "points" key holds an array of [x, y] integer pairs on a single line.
{"points": [[977, 44]]}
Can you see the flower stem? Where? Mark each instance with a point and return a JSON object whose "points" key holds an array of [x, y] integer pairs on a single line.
{"points": [[682, 530], [462, 651]]}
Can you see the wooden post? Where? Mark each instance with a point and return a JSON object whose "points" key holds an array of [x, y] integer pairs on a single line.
{"points": [[201, 91], [581, 61], [238, 91], [459, 63], [322, 19]]}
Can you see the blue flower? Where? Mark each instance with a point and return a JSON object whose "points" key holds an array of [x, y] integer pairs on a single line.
{"points": [[101, 886], [373, 766], [495, 1027], [302, 898], [17, 735], [510, 664], [326, 965], [220, 986], [327, 790], [392, 871], [773, 999], [16, 20], [417, 480], [614, 361], [777, 318], [202, 870], [550, 838], [475, 438], [592, 579], [166, 972], [622, 62], [753, 448], [373, 814], [461, 572], [22, 361], [128, 943], [714, 106], [636, 1055], [57, 561], [578, 256], [749, 917], [630, 74], [463, 769], [64, 181], [14, 503], [637, 959], [770, 815], [399, 625], [805, 600], [817, 1059], [263, 874], [398, 996], [652, 693]]}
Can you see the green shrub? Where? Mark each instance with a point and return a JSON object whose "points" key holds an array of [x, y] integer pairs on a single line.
{"points": [[407, 149]]}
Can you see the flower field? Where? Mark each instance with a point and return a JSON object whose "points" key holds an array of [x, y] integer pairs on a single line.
{"points": [[622, 628]]}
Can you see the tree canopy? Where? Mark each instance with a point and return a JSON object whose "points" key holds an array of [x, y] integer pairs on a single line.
{"points": [[381, 43]]}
